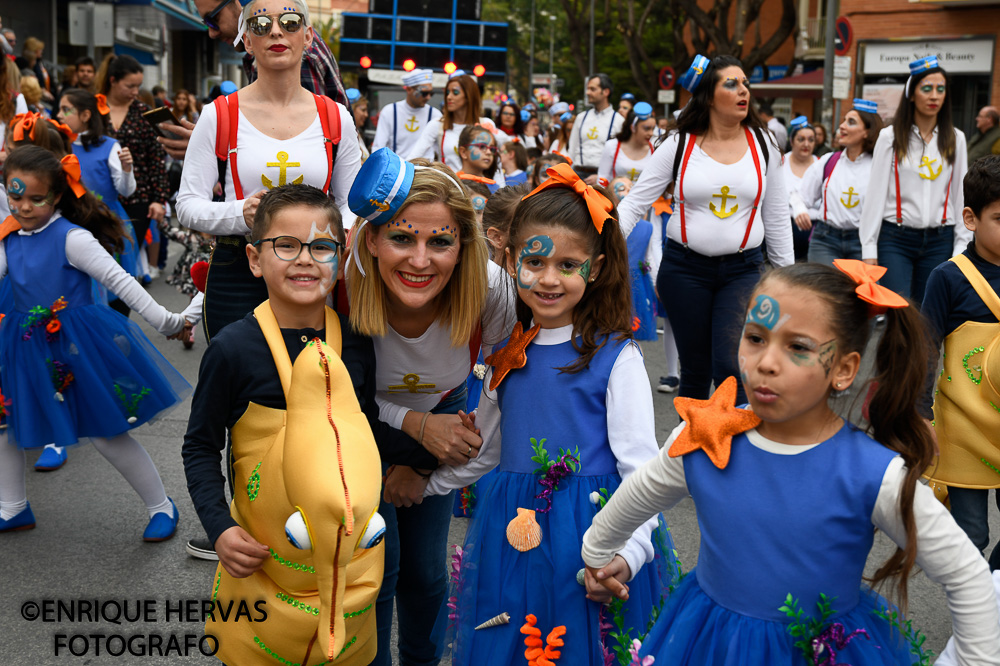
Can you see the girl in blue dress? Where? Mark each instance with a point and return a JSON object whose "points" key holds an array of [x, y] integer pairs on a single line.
{"points": [[73, 369], [789, 494], [570, 395]]}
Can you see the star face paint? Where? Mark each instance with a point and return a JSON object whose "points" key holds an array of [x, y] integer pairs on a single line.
{"points": [[767, 313], [536, 246]]}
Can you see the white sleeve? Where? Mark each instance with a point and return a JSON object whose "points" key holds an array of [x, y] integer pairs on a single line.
{"points": [[426, 145], [653, 181], [448, 477], [957, 195], [21, 106], [654, 251], [774, 213], [382, 130], [195, 208], [632, 435], [3, 256], [656, 486], [124, 181], [86, 254], [573, 145], [811, 187], [873, 207], [948, 657], [498, 315], [604, 173], [946, 555], [390, 413], [345, 167]]}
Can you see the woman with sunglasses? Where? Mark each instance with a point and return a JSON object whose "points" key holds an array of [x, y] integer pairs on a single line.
{"points": [[627, 155], [283, 134], [911, 217]]}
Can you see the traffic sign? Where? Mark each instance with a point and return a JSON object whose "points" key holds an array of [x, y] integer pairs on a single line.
{"points": [[667, 78], [842, 67], [844, 32], [666, 96]]}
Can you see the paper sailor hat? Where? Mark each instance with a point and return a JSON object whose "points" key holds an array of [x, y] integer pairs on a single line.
{"points": [[627, 97], [353, 94], [418, 77], [381, 186], [695, 73], [866, 105], [919, 66], [525, 115], [558, 109]]}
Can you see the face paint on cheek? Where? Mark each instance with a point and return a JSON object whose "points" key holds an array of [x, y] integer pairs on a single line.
{"points": [[16, 186], [619, 190], [584, 270], [767, 313], [327, 280], [536, 246], [827, 351], [315, 232]]}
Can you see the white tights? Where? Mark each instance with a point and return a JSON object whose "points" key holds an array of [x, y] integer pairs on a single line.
{"points": [[670, 349], [123, 451]]}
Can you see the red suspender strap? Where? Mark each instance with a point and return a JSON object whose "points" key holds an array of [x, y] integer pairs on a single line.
{"points": [[826, 186], [899, 202], [329, 120], [680, 186], [947, 194], [443, 130], [760, 186], [234, 120], [614, 161]]}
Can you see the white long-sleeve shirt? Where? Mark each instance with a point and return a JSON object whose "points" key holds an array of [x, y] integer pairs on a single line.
{"points": [[591, 130], [432, 146], [707, 234], [944, 552], [792, 184], [260, 157], [124, 181], [843, 192], [86, 254], [631, 434], [400, 125], [615, 163], [922, 198]]}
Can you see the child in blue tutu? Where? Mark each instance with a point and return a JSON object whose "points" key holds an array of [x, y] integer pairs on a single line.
{"points": [[570, 395], [73, 369], [789, 494]]}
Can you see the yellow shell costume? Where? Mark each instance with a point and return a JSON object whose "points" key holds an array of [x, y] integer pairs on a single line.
{"points": [[317, 457]]}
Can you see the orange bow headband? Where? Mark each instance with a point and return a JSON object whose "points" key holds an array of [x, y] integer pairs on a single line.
{"points": [[866, 276], [23, 127], [476, 179], [71, 167], [102, 104], [562, 175]]}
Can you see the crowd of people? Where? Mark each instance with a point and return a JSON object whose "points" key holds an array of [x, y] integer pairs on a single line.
{"points": [[445, 322]]}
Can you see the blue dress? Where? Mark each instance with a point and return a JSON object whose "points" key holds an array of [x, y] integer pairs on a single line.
{"points": [[496, 578], [643, 294], [72, 368], [776, 525]]}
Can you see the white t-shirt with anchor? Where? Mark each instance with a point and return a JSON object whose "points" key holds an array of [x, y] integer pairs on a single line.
{"points": [[844, 191], [591, 131], [401, 137]]}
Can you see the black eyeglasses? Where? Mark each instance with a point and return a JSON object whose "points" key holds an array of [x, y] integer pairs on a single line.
{"points": [[289, 22], [288, 248], [209, 18]]}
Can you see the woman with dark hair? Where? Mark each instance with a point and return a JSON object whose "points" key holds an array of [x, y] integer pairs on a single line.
{"points": [[118, 81], [629, 153], [559, 141], [911, 218], [821, 148], [798, 159], [836, 186], [731, 196], [509, 119]]}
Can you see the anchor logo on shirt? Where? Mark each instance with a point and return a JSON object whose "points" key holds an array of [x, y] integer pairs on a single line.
{"points": [[411, 384], [931, 173], [850, 193], [633, 174], [282, 165], [721, 211], [412, 125], [592, 134]]}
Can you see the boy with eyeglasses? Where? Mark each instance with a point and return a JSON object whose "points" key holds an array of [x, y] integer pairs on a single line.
{"points": [[292, 387]]}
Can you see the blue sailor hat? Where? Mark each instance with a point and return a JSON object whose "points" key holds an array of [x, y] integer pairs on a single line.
{"points": [[381, 186], [353, 94], [627, 97], [695, 73], [866, 105], [565, 116], [799, 122], [642, 110], [525, 116], [227, 87], [925, 63], [558, 109]]}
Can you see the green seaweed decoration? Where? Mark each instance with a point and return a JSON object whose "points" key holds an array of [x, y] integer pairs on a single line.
{"points": [[806, 628], [913, 636], [130, 402], [622, 636], [544, 462]]}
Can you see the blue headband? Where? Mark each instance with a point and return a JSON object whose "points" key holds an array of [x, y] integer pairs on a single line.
{"points": [[865, 105], [695, 73]]}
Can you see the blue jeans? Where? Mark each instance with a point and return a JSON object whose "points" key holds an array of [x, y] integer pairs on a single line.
{"points": [[911, 254], [706, 299], [416, 576], [970, 509], [829, 243]]}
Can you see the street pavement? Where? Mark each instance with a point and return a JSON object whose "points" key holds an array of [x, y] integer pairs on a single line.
{"points": [[87, 546]]}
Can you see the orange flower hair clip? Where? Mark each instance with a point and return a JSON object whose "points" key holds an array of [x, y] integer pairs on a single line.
{"points": [[866, 276], [562, 175]]}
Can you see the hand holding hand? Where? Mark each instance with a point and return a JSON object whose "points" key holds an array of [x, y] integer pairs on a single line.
{"points": [[239, 553], [448, 439], [609, 582]]}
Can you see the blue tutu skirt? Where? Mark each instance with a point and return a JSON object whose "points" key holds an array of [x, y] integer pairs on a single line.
{"points": [[694, 630], [644, 306], [96, 376], [492, 577]]}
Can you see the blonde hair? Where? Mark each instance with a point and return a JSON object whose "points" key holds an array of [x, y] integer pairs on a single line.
{"points": [[461, 303], [302, 7], [31, 90]]}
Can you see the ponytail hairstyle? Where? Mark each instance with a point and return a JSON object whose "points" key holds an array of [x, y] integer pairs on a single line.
{"points": [[902, 122], [466, 138], [115, 67], [901, 362], [86, 211], [606, 306], [84, 100], [626, 131]]}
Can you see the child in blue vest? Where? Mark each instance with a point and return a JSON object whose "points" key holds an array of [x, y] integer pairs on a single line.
{"points": [[789, 494], [571, 397]]}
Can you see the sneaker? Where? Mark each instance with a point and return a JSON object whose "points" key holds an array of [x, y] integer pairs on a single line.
{"points": [[52, 458], [668, 384], [201, 549], [22, 521], [154, 272], [161, 526]]}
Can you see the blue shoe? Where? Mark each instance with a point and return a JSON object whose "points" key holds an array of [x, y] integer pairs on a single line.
{"points": [[52, 458], [161, 526], [22, 521]]}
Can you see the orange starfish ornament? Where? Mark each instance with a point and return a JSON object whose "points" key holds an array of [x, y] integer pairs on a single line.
{"points": [[711, 424], [512, 356]]}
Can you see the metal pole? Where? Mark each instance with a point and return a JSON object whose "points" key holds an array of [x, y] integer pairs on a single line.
{"points": [[91, 27], [552, 42], [590, 64], [832, 10], [531, 51]]}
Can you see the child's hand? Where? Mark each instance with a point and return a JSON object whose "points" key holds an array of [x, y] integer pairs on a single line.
{"points": [[403, 486], [239, 553], [469, 421], [182, 334], [126, 159], [604, 584]]}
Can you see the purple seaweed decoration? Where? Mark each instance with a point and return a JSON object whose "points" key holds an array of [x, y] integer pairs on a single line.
{"points": [[831, 640], [559, 470]]}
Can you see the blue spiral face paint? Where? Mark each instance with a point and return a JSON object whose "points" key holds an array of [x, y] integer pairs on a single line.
{"points": [[536, 246], [16, 186], [767, 313], [478, 202]]}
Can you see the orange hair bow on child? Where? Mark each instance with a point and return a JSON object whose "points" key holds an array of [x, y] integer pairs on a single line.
{"points": [[562, 175], [23, 124], [71, 167], [878, 297], [102, 104], [475, 179]]}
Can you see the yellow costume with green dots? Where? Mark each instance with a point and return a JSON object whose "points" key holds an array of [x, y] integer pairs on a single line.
{"points": [[318, 457]]}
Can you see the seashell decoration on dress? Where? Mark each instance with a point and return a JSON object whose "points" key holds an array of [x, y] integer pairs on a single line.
{"points": [[524, 532]]}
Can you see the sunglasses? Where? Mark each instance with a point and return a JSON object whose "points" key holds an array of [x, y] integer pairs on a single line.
{"points": [[483, 146], [209, 19], [289, 22], [426, 93]]}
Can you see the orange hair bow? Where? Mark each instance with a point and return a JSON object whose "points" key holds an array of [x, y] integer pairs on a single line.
{"points": [[562, 175], [569, 160], [475, 179], [23, 124], [102, 104], [866, 276], [64, 129], [71, 167]]}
